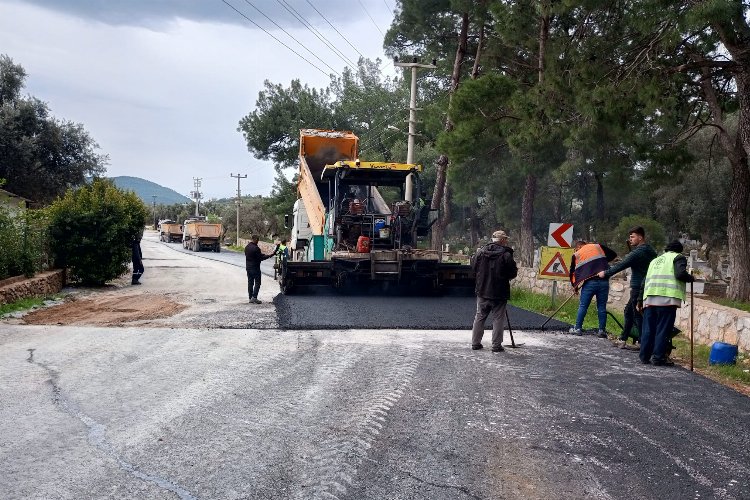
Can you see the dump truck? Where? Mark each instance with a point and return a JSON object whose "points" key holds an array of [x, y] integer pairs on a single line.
{"points": [[198, 235], [170, 231], [354, 225]]}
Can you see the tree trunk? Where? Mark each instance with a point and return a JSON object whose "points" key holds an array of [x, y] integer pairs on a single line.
{"points": [[599, 197], [443, 161], [527, 217], [737, 234]]}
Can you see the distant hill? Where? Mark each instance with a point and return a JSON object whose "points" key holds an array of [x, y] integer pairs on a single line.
{"points": [[147, 189]]}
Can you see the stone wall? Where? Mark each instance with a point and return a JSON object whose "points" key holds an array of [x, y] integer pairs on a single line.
{"points": [[712, 322], [265, 247], [41, 285]]}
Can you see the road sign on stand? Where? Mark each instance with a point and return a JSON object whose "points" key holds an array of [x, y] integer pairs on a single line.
{"points": [[554, 263], [560, 235]]}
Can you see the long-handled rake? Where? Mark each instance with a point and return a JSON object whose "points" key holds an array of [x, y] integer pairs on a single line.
{"points": [[510, 330]]}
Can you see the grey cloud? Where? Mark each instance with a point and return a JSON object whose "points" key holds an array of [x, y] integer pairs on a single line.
{"points": [[151, 13]]}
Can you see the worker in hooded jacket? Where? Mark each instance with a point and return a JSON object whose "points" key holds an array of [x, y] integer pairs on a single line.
{"points": [[494, 267]]}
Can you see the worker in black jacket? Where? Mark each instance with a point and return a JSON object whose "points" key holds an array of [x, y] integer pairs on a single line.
{"points": [[494, 267], [253, 258], [137, 257]]}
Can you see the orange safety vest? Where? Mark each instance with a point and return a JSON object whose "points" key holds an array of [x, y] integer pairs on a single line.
{"points": [[590, 259]]}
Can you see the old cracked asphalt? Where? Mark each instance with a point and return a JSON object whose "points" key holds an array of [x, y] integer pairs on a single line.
{"points": [[151, 411]]}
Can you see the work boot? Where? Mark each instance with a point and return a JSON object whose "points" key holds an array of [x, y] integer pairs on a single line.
{"points": [[255, 301], [476, 347], [497, 348], [601, 334]]}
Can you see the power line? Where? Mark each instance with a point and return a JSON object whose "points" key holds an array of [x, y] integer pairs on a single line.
{"points": [[272, 36], [290, 36], [371, 19], [335, 29], [317, 33]]}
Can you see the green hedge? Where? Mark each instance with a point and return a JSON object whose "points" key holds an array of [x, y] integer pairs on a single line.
{"points": [[24, 242]]}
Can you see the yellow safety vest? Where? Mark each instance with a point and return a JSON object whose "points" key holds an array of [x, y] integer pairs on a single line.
{"points": [[660, 279]]}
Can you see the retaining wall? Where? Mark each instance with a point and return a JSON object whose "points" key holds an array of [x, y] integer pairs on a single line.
{"points": [[712, 322], [41, 285]]}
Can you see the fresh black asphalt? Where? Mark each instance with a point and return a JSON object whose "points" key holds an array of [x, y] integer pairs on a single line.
{"points": [[330, 311]]}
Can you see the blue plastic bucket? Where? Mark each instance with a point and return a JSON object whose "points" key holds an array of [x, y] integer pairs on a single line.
{"points": [[722, 354]]}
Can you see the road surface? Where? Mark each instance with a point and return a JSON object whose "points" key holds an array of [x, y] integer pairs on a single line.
{"points": [[155, 408]]}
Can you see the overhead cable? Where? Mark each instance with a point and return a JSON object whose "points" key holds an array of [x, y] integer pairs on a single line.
{"points": [[317, 33], [275, 38], [251, 4]]}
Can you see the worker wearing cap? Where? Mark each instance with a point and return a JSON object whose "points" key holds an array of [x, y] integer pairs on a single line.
{"points": [[662, 292], [494, 267]]}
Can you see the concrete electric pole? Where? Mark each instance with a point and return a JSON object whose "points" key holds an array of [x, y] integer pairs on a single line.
{"points": [[414, 65], [154, 214], [197, 193], [238, 202]]}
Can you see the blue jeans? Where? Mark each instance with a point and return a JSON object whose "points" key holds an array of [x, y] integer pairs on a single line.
{"points": [[657, 332], [591, 288]]}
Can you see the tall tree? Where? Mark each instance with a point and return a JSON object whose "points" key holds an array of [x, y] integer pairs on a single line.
{"points": [[40, 156]]}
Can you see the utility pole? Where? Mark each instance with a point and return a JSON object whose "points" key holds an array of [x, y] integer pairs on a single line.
{"points": [[154, 215], [197, 193], [412, 116], [238, 202]]}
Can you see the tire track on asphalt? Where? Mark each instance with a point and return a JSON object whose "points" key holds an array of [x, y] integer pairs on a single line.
{"points": [[97, 434], [341, 456]]}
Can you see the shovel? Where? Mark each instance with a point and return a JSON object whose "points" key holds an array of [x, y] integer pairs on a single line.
{"points": [[510, 330]]}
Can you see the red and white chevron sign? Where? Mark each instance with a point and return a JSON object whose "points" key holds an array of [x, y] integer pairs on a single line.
{"points": [[560, 235]]}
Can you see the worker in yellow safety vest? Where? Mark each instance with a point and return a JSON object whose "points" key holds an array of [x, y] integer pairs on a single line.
{"points": [[281, 252], [662, 292]]}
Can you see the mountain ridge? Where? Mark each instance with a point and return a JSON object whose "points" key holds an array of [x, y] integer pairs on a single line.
{"points": [[146, 190]]}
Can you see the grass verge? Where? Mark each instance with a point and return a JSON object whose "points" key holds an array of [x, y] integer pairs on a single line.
{"points": [[22, 305], [542, 303], [736, 376], [735, 304]]}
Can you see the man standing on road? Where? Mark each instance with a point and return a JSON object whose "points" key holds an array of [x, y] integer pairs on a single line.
{"points": [[663, 292], [640, 256], [253, 258], [137, 257], [588, 260], [494, 267]]}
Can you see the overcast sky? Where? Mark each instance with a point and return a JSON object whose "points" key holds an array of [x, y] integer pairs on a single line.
{"points": [[162, 84]]}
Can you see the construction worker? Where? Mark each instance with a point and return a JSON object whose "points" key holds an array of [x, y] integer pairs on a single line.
{"points": [[494, 267], [662, 292], [640, 256], [282, 253], [137, 257], [253, 258], [587, 262]]}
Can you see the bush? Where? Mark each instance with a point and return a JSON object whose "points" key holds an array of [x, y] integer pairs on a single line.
{"points": [[23, 242], [654, 233], [92, 228]]}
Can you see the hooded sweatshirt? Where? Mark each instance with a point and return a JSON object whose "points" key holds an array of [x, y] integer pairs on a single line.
{"points": [[494, 267], [638, 260]]}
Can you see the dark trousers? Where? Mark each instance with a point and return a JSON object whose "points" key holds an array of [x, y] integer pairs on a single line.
{"points": [[632, 317], [484, 307], [658, 323], [137, 271], [253, 283]]}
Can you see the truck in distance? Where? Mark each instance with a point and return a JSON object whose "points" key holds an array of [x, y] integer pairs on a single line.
{"points": [[198, 235]]}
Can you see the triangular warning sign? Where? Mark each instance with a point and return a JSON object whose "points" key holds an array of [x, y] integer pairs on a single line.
{"points": [[556, 267]]}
